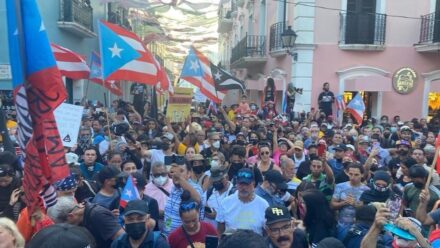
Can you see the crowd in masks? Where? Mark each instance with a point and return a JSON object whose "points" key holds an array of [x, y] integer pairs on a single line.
{"points": [[234, 176]]}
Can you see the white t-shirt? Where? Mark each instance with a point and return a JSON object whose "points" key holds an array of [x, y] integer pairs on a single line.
{"points": [[157, 155], [238, 215], [214, 202]]}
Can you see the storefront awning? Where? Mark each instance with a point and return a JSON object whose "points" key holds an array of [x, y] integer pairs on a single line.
{"points": [[260, 84], [369, 83]]}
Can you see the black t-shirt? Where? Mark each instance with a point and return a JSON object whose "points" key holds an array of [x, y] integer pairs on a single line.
{"points": [[325, 100], [87, 190], [101, 223], [303, 169], [341, 178]]}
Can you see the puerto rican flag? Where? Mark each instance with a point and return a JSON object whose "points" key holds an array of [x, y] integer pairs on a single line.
{"points": [[96, 76], [129, 193], [197, 71], [357, 108], [69, 63], [340, 103], [164, 81], [124, 56]]}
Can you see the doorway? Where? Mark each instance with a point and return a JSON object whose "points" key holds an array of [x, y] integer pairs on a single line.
{"points": [[370, 102]]}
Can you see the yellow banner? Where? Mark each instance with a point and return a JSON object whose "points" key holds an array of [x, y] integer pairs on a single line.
{"points": [[179, 104]]}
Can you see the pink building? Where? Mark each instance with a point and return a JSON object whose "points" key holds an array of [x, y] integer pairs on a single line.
{"points": [[355, 45]]}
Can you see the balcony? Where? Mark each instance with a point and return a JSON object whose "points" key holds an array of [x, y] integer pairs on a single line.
{"points": [[429, 33], [224, 19], [362, 31], [249, 52], [275, 43], [76, 16]]}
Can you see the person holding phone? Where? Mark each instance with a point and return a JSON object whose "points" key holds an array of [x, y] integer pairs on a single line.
{"points": [[193, 232]]}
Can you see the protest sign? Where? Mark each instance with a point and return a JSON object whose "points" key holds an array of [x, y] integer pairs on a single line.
{"points": [[179, 104], [68, 118]]}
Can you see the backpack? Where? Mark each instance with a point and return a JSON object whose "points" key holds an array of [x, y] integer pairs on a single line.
{"points": [[211, 190], [359, 232]]}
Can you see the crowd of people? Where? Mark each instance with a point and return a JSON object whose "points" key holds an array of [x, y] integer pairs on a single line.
{"points": [[233, 176]]}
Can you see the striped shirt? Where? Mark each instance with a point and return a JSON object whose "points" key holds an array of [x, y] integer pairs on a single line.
{"points": [[171, 214]]}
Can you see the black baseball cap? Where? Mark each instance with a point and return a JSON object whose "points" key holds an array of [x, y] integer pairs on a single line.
{"points": [[62, 235], [340, 147], [218, 173], [108, 172], [276, 214], [245, 175], [136, 207], [274, 176]]}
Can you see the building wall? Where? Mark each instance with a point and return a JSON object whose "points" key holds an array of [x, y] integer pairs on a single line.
{"points": [[401, 35]]}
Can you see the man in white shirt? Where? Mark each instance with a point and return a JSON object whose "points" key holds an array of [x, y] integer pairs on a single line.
{"points": [[221, 188], [244, 209]]}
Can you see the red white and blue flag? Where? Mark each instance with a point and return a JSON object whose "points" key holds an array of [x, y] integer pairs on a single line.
{"points": [[164, 81], [33, 64], [129, 193], [70, 64], [124, 56], [197, 71], [96, 76], [357, 108], [340, 103]]}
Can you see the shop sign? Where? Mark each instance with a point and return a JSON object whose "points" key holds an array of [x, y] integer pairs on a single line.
{"points": [[404, 80], [5, 72]]}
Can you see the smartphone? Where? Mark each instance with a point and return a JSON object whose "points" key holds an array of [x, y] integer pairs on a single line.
{"points": [[208, 210], [211, 241], [321, 149]]}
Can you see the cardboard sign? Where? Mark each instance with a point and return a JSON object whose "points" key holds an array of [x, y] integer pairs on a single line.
{"points": [[179, 104], [68, 118]]}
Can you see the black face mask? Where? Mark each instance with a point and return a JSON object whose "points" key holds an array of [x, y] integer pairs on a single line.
{"points": [[241, 142], [198, 169], [419, 185], [346, 164], [254, 141], [135, 230], [165, 146], [218, 185], [235, 167], [313, 156]]}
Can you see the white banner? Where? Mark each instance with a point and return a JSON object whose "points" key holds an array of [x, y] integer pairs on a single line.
{"points": [[68, 118]]}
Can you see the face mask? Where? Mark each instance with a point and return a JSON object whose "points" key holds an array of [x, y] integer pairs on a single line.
{"points": [[419, 185], [380, 189], [198, 169], [235, 167], [240, 142], [216, 144], [218, 185], [214, 163], [254, 141], [403, 152], [160, 180], [393, 129], [135, 230], [165, 146]]}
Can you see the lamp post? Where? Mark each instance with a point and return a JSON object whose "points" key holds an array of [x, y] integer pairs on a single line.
{"points": [[288, 37]]}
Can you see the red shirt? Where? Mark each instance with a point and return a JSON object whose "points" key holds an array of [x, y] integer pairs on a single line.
{"points": [[177, 238]]}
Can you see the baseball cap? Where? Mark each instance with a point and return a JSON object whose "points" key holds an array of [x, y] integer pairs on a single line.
{"points": [[245, 175], [298, 145], [283, 142], [403, 143], [405, 128], [168, 136], [72, 158], [217, 173], [274, 176], [136, 207], [277, 214], [394, 229], [197, 157], [62, 235], [351, 147], [340, 147]]}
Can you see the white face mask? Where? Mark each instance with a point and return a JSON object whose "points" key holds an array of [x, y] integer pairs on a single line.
{"points": [[160, 180], [216, 144], [214, 164]]}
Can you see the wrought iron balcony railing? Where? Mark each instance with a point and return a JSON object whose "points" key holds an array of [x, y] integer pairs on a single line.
{"points": [[275, 42], [249, 46], [430, 28], [77, 11], [363, 28]]}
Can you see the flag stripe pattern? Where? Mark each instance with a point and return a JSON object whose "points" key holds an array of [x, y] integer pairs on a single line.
{"points": [[357, 108], [340, 103], [96, 76], [197, 71], [142, 69], [69, 63], [129, 192]]}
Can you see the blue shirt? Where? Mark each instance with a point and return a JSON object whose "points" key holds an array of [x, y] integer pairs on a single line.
{"points": [[109, 202], [89, 175], [337, 167], [171, 211]]}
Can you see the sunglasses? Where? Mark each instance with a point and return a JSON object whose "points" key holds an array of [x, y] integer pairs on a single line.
{"points": [[244, 175], [264, 153], [188, 206]]}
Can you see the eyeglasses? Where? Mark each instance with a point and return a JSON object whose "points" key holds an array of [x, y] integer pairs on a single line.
{"points": [[278, 230], [160, 174], [188, 206], [264, 153]]}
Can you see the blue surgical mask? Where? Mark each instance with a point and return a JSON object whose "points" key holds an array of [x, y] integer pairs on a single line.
{"points": [[393, 129]]}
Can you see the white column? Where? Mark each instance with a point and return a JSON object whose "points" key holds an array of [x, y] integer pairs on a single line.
{"points": [[302, 64]]}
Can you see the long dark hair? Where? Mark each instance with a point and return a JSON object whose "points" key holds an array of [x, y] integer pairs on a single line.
{"points": [[317, 209], [270, 83]]}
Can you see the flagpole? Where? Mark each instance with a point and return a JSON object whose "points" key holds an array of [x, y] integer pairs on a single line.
{"points": [[87, 90], [108, 122]]}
